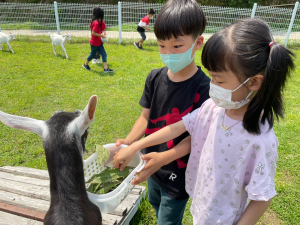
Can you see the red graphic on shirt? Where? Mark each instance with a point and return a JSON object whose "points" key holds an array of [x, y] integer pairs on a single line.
{"points": [[171, 118]]}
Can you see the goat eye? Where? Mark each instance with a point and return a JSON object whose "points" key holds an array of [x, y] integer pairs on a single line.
{"points": [[57, 112], [77, 112]]}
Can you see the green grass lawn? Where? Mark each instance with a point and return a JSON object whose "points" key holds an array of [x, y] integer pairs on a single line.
{"points": [[35, 83]]}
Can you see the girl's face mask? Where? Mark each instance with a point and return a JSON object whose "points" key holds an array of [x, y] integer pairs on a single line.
{"points": [[176, 62], [222, 97]]}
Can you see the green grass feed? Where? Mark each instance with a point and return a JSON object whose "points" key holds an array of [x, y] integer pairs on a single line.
{"points": [[102, 153], [108, 180]]}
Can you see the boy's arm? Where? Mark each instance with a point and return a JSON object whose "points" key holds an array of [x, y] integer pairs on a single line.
{"points": [[155, 160], [147, 28], [125, 155], [138, 129], [253, 212]]}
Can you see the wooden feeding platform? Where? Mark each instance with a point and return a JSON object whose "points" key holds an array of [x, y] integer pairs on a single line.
{"points": [[25, 198]]}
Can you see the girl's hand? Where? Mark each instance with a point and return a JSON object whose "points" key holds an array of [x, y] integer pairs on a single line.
{"points": [[122, 142], [154, 161], [123, 157]]}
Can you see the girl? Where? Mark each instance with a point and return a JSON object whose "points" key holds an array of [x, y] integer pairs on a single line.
{"points": [[143, 25], [233, 146], [98, 27]]}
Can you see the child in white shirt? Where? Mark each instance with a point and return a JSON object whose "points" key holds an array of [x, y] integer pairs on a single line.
{"points": [[143, 25]]}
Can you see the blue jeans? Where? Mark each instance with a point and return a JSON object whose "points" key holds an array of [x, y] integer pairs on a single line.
{"points": [[169, 211], [99, 49]]}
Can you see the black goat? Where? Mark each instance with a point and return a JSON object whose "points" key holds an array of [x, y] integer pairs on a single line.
{"points": [[64, 136]]}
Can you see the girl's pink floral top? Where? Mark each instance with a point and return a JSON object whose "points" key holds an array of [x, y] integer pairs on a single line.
{"points": [[226, 168]]}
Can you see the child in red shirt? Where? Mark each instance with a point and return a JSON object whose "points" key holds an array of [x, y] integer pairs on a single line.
{"points": [[97, 32], [143, 25]]}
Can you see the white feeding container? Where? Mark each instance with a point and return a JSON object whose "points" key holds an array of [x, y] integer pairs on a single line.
{"points": [[104, 39], [109, 202]]}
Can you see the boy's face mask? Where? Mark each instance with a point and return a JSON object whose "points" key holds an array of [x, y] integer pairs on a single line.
{"points": [[222, 97], [176, 62]]}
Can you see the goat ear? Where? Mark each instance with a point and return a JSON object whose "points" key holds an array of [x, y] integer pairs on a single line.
{"points": [[92, 107], [87, 116], [24, 123]]}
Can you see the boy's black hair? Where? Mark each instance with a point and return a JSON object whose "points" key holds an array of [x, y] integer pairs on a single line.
{"points": [[151, 12], [98, 14], [243, 48], [178, 18]]}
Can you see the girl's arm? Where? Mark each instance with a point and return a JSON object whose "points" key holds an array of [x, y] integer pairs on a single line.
{"points": [[253, 212], [155, 160], [125, 155], [97, 35], [104, 32], [138, 129]]}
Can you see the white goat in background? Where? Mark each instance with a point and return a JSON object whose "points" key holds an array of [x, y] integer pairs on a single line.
{"points": [[6, 39], [60, 40]]}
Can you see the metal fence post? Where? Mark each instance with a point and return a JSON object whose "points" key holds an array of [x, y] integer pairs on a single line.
{"points": [[120, 21], [253, 10], [291, 23], [56, 17]]}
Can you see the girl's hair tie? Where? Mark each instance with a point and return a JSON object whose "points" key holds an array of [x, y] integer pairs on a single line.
{"points": [[272, 42]]}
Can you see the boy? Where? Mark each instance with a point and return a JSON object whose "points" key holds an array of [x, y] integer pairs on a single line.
{"points": [[143, 25], [169, 94]]}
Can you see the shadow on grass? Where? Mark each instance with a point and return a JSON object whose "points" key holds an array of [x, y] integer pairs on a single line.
{"points": [[63, 57], [146, 49], [101, 72], [7, 52]]}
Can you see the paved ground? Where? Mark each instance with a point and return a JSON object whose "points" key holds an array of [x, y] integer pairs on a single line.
{"points": [[130, 35], [111, 34]]}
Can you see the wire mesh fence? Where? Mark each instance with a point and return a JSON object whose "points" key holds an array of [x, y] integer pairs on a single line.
{"points": [[122, 19], [218, 17], [277, 18], [25, 16], [132, 13], [77, 17]]}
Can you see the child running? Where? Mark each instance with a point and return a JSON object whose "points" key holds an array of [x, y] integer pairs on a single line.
{"points": [[234, 148], [170, 93], [143, 25], [98, 27]]}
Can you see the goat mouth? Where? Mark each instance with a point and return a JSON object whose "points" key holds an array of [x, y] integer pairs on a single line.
{"points": [[83, 139]]}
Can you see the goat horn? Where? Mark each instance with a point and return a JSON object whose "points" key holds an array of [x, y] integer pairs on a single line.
{"points": [[24, 123]]}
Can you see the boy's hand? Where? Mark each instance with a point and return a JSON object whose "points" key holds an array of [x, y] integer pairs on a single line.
{"points": [[123, 157], [122, 141], [154, 161]]}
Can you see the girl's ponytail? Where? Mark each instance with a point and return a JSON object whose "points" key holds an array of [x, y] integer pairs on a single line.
{"points": [[98, 14], [268, 101]]}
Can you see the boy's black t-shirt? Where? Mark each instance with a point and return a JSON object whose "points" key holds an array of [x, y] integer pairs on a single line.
{"points": [[168, 102]]}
